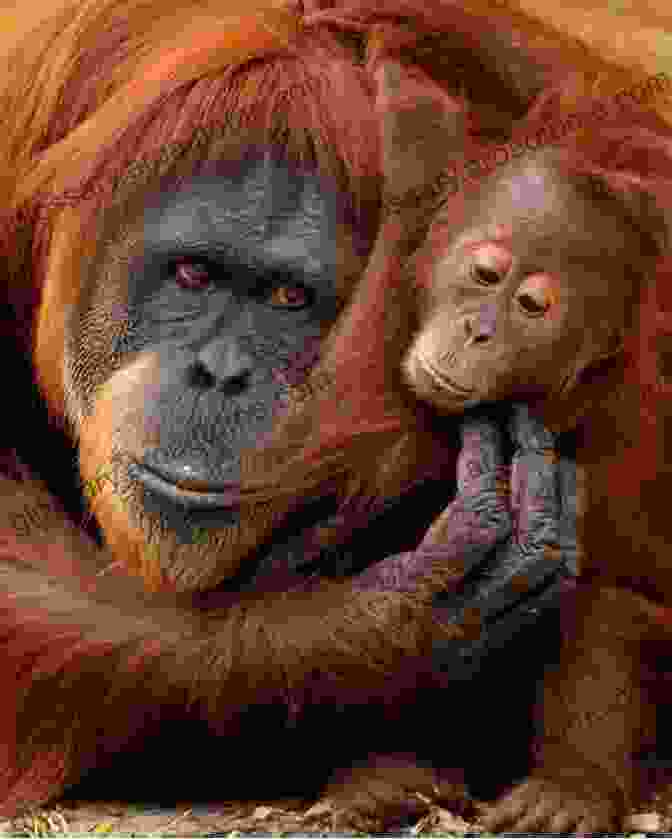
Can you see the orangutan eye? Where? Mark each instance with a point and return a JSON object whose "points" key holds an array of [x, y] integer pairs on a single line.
{"points": [[192, 276], [491, 262], [290, 296], [531, 306], [485, 276], [538, 294]]}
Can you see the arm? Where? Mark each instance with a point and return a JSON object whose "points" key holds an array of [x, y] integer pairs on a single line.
{"points": [[84, 647], [89, 660], [597, 716]]}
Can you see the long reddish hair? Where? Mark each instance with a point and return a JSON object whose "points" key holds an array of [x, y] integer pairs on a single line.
{"points": [[364, 425], [122, 89]]}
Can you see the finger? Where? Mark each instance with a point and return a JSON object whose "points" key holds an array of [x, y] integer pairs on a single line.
{"points": [[463, 536], [506, 812], [479, 516], [483, 454], [535, 492], [470, 656], [543, 547], [519, 582]]}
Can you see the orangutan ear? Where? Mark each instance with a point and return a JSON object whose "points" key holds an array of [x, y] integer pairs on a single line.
{"points": [[422, 127]]}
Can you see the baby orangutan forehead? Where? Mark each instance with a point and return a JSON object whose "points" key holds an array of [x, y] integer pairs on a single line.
{"points": [[533, 187], [533, 209]]}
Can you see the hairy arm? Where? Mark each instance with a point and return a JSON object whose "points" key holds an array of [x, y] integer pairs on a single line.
{"points": [[95, 659]]}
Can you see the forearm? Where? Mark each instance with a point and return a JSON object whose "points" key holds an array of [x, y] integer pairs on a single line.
{"points": [[86, 671], [597, 706]]}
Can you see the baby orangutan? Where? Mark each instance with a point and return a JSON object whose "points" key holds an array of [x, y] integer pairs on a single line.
{"points": [[533, 290], [539, 294]]}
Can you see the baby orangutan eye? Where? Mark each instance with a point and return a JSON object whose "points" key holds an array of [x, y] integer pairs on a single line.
{"points": [[537, 295], [532, 306], [484, 275], [491, 262]]}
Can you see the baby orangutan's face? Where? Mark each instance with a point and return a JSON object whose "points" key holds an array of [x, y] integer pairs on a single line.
{"points": [[534, 289]]}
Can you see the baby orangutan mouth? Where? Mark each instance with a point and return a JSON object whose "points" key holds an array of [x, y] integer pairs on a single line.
{"points": [[441, 380], [429, 382]]}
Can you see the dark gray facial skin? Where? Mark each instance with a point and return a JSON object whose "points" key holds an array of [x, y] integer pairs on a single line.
{"points": [[537, 285], [222, 283]]}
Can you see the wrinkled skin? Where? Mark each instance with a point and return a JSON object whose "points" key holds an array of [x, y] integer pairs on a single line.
{"points": [[227, 283]]}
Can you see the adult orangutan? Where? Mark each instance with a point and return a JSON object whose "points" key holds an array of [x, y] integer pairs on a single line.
{"points": [[190, 198]]}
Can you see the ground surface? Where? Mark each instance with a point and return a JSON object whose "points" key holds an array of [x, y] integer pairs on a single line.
{"points": [[278, 818]]}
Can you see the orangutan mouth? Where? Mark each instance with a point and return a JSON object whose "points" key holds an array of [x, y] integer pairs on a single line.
{"points": [[439, 378], [190, 494]]}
